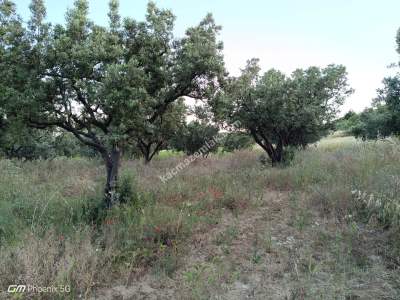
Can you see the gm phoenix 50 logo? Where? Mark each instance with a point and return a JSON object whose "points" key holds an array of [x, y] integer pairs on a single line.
{"points": [[14, 288]]}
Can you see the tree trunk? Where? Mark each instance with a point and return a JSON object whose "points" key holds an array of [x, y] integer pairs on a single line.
{"points": [[279, 151], [147, 152], [274, 153], [112, 167], [146, 158]]}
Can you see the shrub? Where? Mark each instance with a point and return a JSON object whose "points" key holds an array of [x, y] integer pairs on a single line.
{"points": [[127, 188]]}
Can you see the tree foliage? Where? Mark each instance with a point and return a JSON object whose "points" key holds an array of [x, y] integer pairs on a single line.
{"points": [[233, 141], [383, 118], [389, 97], [346, 122], [372, 123], [195, 136], [29, 144]]}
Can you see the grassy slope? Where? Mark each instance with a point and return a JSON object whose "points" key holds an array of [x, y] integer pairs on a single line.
{"points": [[325, 227]]}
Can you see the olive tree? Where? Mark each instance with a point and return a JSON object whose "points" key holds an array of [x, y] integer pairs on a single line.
{"points": [[282, 111], [103, 84]]}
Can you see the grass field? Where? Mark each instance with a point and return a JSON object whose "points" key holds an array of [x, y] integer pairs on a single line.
{"points": [[325, 227]]}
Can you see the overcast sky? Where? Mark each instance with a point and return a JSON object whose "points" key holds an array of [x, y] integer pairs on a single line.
{"points": [[284, 34]]}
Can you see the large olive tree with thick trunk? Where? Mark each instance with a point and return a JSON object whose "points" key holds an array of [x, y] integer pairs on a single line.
{"points": [[103, 84], [281, 111]]}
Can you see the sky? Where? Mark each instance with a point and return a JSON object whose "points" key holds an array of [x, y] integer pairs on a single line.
{"points": [[284, 34]]}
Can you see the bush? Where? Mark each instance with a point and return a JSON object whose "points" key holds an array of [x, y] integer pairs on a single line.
{"points": [[127, 188], [288, 154]]}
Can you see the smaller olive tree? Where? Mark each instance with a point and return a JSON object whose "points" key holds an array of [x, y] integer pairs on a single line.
{"points": [[282, 111], [157, 135]]}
